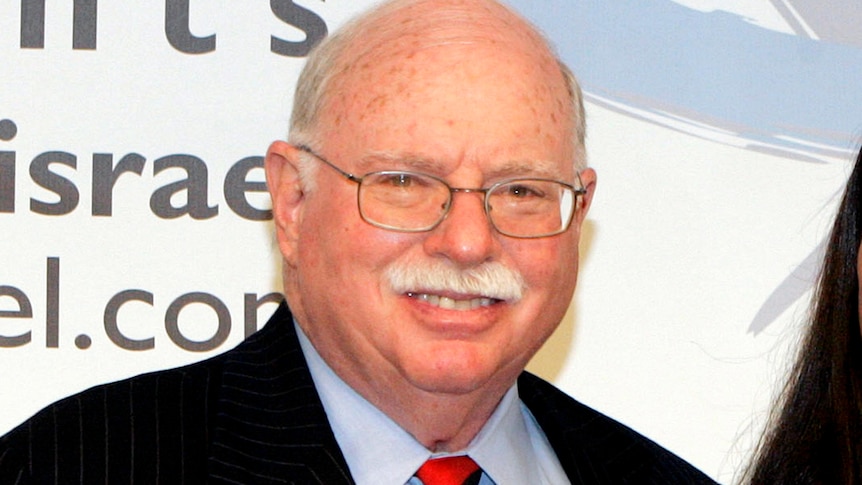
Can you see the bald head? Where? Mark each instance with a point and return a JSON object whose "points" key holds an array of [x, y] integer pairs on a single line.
{"points": [[399, 35]]}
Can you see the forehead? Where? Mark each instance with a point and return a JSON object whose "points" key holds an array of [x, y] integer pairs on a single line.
{"points": [[486, 92]]}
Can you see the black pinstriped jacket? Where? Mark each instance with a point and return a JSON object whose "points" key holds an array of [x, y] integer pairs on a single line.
{"points": [[253, 416]]}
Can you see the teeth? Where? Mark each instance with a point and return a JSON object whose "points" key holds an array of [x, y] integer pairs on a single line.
{"points": [[451, 303]]}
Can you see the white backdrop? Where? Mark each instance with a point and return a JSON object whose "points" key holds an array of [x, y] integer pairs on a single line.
{"points": [[719, 163]]}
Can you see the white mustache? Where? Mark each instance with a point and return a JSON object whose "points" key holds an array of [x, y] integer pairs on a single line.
{"points": [[490, 280]]}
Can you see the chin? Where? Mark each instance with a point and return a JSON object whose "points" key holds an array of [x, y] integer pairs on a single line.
{"points": [[456, 386], [459, 372]]}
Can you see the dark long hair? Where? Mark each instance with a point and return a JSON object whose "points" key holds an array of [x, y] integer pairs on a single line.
{"points": [[815, 436]]}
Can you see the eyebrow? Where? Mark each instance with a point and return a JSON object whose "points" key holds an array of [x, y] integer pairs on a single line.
{"points": [[422, 164], [526, 168], [405, 161]]}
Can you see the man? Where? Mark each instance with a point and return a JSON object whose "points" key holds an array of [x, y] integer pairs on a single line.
{"points": [[428, 209]]}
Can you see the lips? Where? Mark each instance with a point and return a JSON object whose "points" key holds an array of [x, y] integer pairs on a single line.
{"points": [[448, 303]]}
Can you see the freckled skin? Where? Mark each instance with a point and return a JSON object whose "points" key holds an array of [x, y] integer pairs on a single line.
{"points": [[436, 93]]}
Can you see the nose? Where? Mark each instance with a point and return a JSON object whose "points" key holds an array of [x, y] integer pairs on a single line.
{"points": [[466, 236]]}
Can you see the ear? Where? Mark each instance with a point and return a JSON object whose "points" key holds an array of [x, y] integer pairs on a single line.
{"points": [[282, 179], [588, 179]]}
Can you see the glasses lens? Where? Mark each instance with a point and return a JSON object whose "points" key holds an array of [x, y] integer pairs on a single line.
{"points": [[404, 201], [531, 207]]}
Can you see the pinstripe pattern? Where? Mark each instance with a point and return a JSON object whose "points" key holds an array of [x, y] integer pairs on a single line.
{"points": [[252, 416], [248, 416]]}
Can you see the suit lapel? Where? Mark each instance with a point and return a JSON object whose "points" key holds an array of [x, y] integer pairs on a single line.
{"points": [[558, 428], [591, 448], [270, 426]]}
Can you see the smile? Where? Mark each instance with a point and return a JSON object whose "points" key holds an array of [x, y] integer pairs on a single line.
{"points": [[453, 304]]}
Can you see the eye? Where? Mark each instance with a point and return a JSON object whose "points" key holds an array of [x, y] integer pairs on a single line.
{"points": [[402, 180], [521, 190]]}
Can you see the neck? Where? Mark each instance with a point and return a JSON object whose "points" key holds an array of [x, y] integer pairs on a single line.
{"points": [[440, 422]]}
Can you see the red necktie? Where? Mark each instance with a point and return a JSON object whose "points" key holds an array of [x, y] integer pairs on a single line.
{"points": [[452, 470]]}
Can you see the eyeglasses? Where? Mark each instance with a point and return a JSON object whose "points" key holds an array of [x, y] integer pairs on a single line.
{"points": [[416, 202]]}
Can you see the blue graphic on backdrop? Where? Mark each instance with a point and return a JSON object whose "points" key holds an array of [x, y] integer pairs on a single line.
{"points": [[717, 76]]}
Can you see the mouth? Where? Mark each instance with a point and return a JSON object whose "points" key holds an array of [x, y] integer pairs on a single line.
{"points": [[453, 303]]}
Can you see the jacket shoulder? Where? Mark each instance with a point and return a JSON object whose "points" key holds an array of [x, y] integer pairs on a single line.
{"points": [[596, 449], [112, 428], [154, 423]]}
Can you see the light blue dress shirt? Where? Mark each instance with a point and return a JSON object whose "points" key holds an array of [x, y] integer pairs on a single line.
{"points": [[511, 448]]}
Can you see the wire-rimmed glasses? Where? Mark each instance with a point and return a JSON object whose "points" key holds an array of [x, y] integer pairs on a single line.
{"points": [[407, 201]]}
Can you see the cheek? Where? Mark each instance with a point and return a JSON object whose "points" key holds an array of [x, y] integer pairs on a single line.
{"points": [[545, 262], [341, 246], [325, 242]]}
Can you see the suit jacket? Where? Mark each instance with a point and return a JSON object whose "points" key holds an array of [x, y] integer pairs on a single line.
{"points": [[253, 416]]}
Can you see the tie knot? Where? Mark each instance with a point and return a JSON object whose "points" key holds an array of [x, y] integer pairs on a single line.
{"points": [[451, 470]]}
